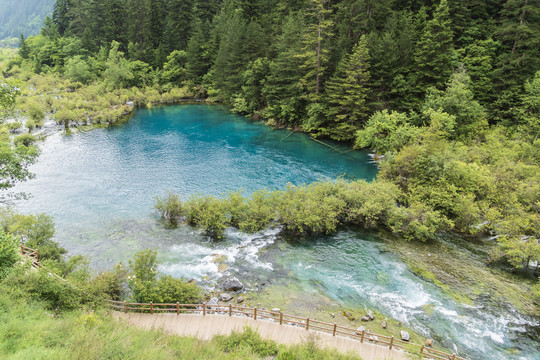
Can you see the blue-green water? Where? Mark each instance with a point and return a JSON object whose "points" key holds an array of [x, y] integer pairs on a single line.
{"points": [[99, 187]]}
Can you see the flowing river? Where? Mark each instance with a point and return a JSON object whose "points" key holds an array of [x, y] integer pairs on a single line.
{"points": [[99, 187]]}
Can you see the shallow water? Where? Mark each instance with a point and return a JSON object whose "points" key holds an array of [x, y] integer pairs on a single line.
{"points": [[99, 187]]}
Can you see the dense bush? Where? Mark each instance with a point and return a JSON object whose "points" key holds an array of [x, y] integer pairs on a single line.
{"points": [[9, 253], [146, 286], [320, 207]]}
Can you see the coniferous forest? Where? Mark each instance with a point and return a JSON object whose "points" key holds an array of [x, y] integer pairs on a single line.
{"points": [[445, 94]]}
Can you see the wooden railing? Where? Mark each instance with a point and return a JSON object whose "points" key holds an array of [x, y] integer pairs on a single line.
{"points": [[263, 314], [32, 254]]}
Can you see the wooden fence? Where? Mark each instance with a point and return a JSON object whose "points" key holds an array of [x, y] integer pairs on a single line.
{"points": [[263, 314], [32, 254]]}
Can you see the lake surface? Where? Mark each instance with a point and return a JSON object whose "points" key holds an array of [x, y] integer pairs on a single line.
{"points": [[99, 187]]}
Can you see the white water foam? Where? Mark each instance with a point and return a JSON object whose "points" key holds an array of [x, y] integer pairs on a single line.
{"points": [[199, 261]]}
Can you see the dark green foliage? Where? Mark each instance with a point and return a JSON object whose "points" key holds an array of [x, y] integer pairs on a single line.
{"points": [[434, 56], [347, 94]]}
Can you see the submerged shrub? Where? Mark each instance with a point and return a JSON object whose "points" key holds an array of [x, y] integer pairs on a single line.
{"points": [[170, 208]]}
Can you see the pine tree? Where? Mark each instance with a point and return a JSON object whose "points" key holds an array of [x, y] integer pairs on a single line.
{"points": [[281, 86], [434, 55], [198, 59], [346, 94], [61, 16], [24, 52], [392, 56], [315, 53], [519, 34], [228, 65], [177, 24]]}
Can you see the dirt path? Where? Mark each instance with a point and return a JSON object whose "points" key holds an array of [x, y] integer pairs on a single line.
{"points": [[206, 327]]}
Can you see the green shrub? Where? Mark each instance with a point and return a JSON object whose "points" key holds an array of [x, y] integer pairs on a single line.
{"points": [[110, 284], [208, 213], [9, 253], [43, 286], [146, 287], [171, 290], [170, 208], [248, 339]]}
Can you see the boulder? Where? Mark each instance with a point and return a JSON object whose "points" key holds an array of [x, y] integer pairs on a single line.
{"points": [[365, 318], [370, 316], [333, 315], [213, 301], [225, 297], [384, 325], [405, 335], [240, 299], [348, 315], [429, 342], [360, 330], [232, 284], [275, 310], [374, 338]]}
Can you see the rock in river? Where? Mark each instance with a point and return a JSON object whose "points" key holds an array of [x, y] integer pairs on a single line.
{"points": [[405, 336], [232, 284], [213, 301], [225, 297]]}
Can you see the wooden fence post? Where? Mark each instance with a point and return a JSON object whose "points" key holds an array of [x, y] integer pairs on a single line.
{"points": [[177, 308], [21, 247], [422, 349], [335, 329], [281, 318], [307, 323], [362, 338], [204, 309], [37, 255], [230, 309], [151, 307], [125, 307], [391, 342], [453, 356], [255, 314]]}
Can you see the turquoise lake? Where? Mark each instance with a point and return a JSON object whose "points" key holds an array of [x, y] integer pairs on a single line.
{"points": [[99, 187]]}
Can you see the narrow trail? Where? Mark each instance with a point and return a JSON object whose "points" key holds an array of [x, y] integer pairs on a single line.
{"points": [[206, 327]]}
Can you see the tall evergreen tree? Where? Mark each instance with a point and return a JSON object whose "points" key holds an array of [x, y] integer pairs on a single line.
{"points": [[346, 94], [434, 56], [281, 87], [228, 65], [61, 16], [519, 34], [315, 53], [198, 55], [177, 24], [24, 52]]}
